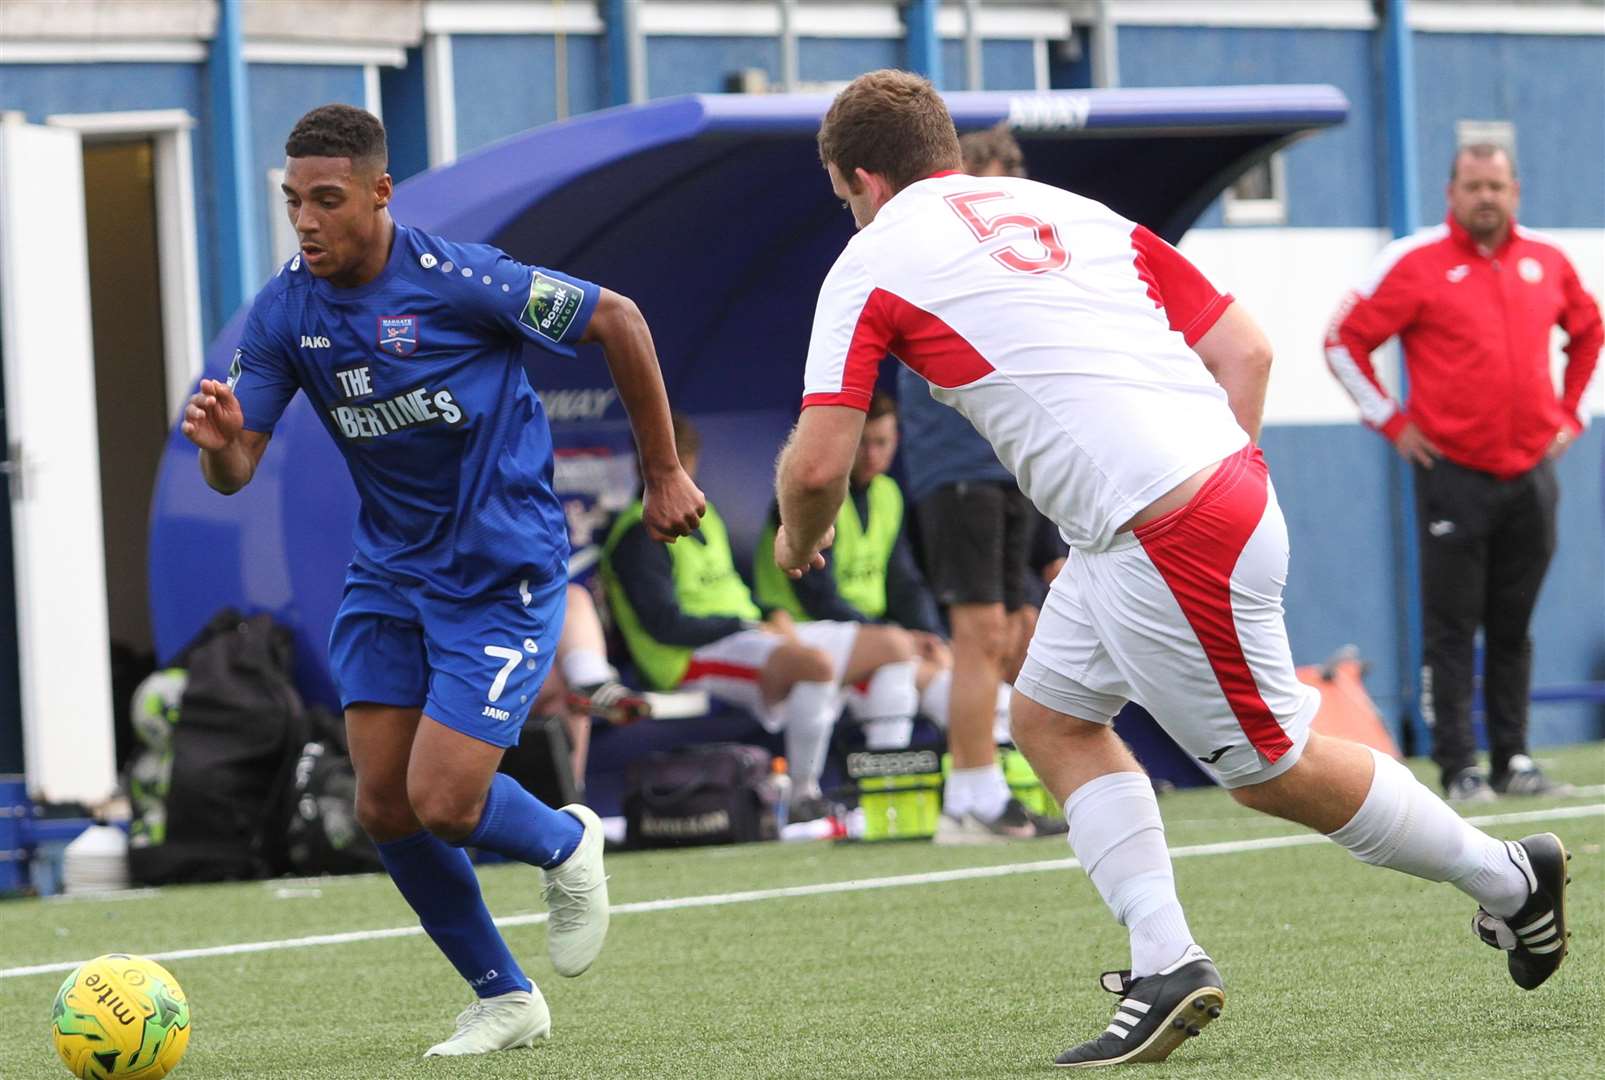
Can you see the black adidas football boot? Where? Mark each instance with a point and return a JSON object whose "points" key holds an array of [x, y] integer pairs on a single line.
{"points": [[1535, 937], [1156, 1014]]}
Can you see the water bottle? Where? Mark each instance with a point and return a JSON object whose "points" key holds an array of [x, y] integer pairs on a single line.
{"points": [[780, 784]]}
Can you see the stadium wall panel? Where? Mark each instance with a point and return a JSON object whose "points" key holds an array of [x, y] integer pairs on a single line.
{"points": [[506, 83], [1333, 179], [843, 59], [955, 65], [1551, 88], [1005, 65], [701, 65]]}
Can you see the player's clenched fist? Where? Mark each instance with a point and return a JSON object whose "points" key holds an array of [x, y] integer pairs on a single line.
{"points": [[213, 419], [796, 561], [673, 506]]}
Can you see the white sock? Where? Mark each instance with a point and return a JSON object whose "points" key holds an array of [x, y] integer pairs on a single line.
{"points": [[1116, 832], [810, 712], [981, 791], [934, 698], [1000, 715], [582, 667], [1405, 827], [891, 692], [888, 733]]}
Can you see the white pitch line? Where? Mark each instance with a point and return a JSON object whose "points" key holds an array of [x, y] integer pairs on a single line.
{"points": [[969, 873]]}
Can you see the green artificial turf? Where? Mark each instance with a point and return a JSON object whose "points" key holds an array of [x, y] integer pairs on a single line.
{"points": [[1332, 969]]}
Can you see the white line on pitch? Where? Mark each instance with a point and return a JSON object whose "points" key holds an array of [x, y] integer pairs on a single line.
{"points": [[969, 873]]}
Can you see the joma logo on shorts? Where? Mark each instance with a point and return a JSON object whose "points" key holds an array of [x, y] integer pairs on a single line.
{"points": [[497, 714]]}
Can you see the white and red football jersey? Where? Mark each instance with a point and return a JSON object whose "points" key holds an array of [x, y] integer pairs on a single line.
{"points": [[1060, 329]]}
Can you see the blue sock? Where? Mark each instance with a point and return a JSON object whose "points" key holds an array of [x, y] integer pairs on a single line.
{"points": [[438, 881], [518, 825]]}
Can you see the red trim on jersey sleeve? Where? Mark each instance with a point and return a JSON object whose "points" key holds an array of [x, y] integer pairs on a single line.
{"points": [[1191, 304], [890, 324], [871, 341], [931, 347]]}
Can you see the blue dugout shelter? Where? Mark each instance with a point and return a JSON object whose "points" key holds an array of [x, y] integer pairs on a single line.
{"points": [[714, 215]]}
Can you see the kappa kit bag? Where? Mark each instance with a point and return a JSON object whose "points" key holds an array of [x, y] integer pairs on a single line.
{"points": [[718, 793], [239, 732], [899, 791]]}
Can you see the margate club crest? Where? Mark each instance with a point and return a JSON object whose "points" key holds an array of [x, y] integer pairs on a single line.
{"points": [[398, 334]]}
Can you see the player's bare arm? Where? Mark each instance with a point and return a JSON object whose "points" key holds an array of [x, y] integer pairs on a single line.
{"points": [[811, 482], [673, 503], [214, 422], [1238, 355]]}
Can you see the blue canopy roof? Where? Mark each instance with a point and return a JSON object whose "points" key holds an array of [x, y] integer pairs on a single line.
{"points": [[713, 214]]}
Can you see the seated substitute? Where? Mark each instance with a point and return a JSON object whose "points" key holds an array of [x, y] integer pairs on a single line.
{"points": [[689, 620], [870, 575]]}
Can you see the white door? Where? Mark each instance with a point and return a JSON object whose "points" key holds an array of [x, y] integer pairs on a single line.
{"points": [[53, 465]]}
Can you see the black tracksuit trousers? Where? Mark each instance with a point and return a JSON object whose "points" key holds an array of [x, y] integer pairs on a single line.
{"points": [[1485, 547]]}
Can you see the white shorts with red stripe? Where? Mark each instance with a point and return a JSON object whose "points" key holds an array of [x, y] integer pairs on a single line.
{"points": [[728, 669], [1184, 616]]}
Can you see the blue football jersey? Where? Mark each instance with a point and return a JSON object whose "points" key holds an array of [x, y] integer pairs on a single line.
{"points": [[418, 378]]}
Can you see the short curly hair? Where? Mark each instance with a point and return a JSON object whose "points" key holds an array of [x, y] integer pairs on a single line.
{"points": [[889, 122], [340, 131]]}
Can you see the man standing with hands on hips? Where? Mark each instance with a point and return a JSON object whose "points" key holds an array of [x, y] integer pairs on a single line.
{"points": [[1472, 302]]}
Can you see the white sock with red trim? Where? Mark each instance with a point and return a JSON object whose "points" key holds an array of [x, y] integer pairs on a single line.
{"points": [[890, 691], [810, 712], [1116, 832], [1402, 825]]}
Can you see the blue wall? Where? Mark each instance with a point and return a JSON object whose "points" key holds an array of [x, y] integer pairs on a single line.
{"points": [[1007, 65], [682, 65], [826, 60], [1540, 84], [404, 98], [1333, 178], [955, 69], [491, 106]]}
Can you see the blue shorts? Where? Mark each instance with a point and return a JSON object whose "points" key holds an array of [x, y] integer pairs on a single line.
{"points": [[473, 665]]}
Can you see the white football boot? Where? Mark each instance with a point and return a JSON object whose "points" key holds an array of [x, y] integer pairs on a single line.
{"points": [[498, 1023], [576, 895]]}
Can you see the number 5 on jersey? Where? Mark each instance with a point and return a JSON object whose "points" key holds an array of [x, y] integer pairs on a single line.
{"points": [[965, 204]]}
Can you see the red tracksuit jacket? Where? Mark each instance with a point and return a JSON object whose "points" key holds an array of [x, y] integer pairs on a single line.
{"points": [[1475, 330]]}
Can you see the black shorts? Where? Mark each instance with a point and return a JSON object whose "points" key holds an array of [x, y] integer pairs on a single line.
{"points": [[975, 538]]}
